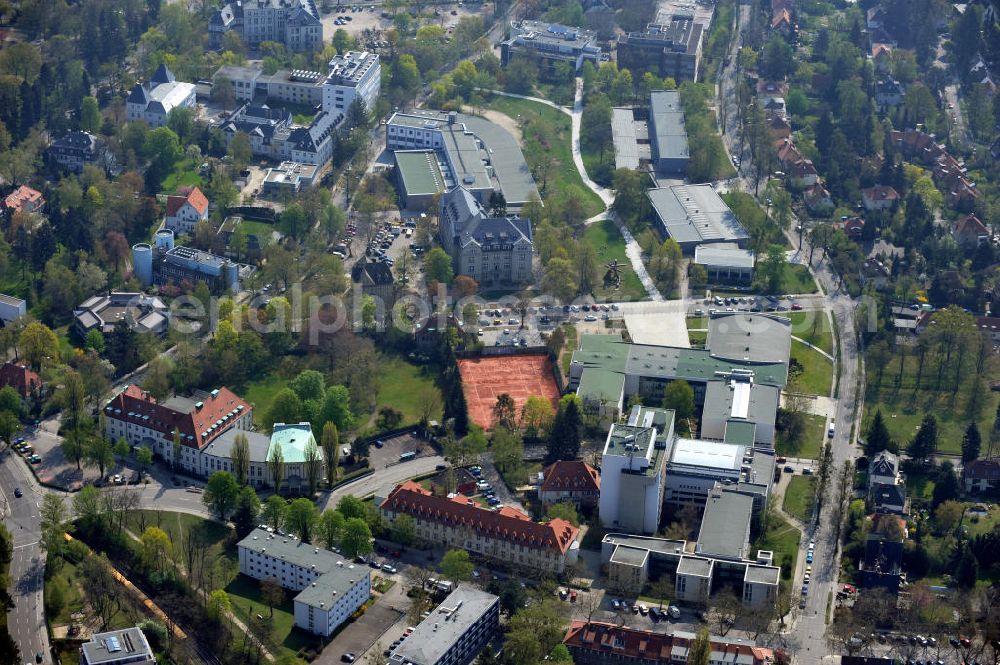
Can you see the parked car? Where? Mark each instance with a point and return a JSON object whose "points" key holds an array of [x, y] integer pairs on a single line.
{"points": [[18, 493]]}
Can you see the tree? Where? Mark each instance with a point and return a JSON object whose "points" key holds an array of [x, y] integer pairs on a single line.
{"points": [[772, 268], [74, 446], [536, 416], [700, 651], [101, 583], [679, 396], [100, 453], [286, 407], [351, 506], [90, 115], [271, 593], [245, 511], [437, 266], [276, 465], [330, 442], [274, 512], [144, 456], [924, 444], [564, 510], [877, 438], [313, 462], [156, 548], [37, 343], [301, 518], [966, 568], [220, 493], [456, 566], [241, 458], [946, 485], [947, 516], [176, 449], [329, 528], [971, 443], [357, 538], [53, 522], [219, 605], [505, 412], [240, 150], [404, 529], [567, 430], [337, 408]]}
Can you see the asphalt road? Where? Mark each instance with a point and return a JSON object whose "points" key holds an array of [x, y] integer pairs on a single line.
{"points": [[807, 635], [26, 621]]}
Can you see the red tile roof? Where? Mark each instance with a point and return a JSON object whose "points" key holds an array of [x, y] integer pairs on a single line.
{"points": [[880, 193], [135, 405], [970, 227], [620, 642], [507, 524], [571, 476], [20, 378], [982, 469], [194, 197], [17, 199]]}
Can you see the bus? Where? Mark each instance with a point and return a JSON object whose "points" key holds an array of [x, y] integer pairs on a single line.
{"points": [[406, 457]]}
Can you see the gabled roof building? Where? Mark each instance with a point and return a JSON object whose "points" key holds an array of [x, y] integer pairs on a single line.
{"points": [[294, 23], [185, 210], [152, 102], [24, 199], [570, 480], [73, 150]]}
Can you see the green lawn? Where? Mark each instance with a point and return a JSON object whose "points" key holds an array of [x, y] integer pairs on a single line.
{"points": [[261, 393], [979, 525], [813, 326], [247, 604], [259, 229], [73, 602], [697, 322], [811, 443], [402, 385], [185, 174], [799, 496], [568, 348], [903, 406], [796, 279], [547, 135], [176, 524], [816, 376], [697, 338], [783, 539], [608, 244]]}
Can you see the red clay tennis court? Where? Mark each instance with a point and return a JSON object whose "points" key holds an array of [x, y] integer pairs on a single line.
{"points": [[520, 376]]}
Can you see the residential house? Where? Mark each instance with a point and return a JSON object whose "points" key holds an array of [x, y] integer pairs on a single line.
{"points": [[888, 94], [779, 127], [888, 498], [152, 102], [781, 22], [982, 476], [24, 199], [803, 174], [990, 326], [879, 197], [21, 378], [376, 280], [73, 150], [875, 18], [969, 232], [570, 480], [881, 56], [787, 153], [881, 565], [185, 210], [817, 199], [853, 227]]}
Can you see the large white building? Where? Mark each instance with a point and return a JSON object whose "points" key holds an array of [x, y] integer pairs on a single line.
{"points": [[117, 647], [353, 74], [632, 471], [153, 102], [330, 588], [136, 416], [493, 251], [294, 23], [454, 633]]}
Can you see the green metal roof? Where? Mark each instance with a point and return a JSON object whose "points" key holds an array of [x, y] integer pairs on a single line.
{"points": [[420, 172], [740, 432], [293, 440]]}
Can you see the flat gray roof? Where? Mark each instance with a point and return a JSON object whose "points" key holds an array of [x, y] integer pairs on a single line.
{"points": [[222, 446], [446, 625], [337, 574], [667, 119], [749, 336], [125, 645], [724, 255], [762, 574], [725, 526], [692, 565], [630, 556], [696, 214], [626, 132], [758, 405], [657, 545]]}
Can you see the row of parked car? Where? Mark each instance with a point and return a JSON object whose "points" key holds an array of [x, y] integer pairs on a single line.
{"points": [[654, 613], [27, 450]]}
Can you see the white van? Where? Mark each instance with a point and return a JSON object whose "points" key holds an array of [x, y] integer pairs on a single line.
{"points": [[345, 451], [829, 432]]}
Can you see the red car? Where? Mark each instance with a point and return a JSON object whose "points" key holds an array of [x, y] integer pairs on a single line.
{"points": [[780, 460], [572, 596], [796, 307]]}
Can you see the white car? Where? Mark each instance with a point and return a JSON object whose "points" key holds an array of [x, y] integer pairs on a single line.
{"points": [[590, 317], [480, 332]]}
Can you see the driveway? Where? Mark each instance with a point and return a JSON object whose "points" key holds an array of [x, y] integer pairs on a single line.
{"points": [[367, 631], [389, 477]]}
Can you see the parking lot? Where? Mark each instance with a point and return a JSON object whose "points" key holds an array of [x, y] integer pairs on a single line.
{"points": [[502, 326], [379, 457]]}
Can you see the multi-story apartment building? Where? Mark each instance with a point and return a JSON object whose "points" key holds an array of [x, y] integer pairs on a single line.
{"points": [[136, 416], [506, 536], [632, 466], [595, 643], [549, 44], [493, 251], [117, 647], [294, 23], [355, 74], [454, 633], [668, 50], [152, 102], [329, 588]]}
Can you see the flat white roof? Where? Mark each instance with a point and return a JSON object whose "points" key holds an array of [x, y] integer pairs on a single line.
{"points": [[713, 454], [741, 399]]}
